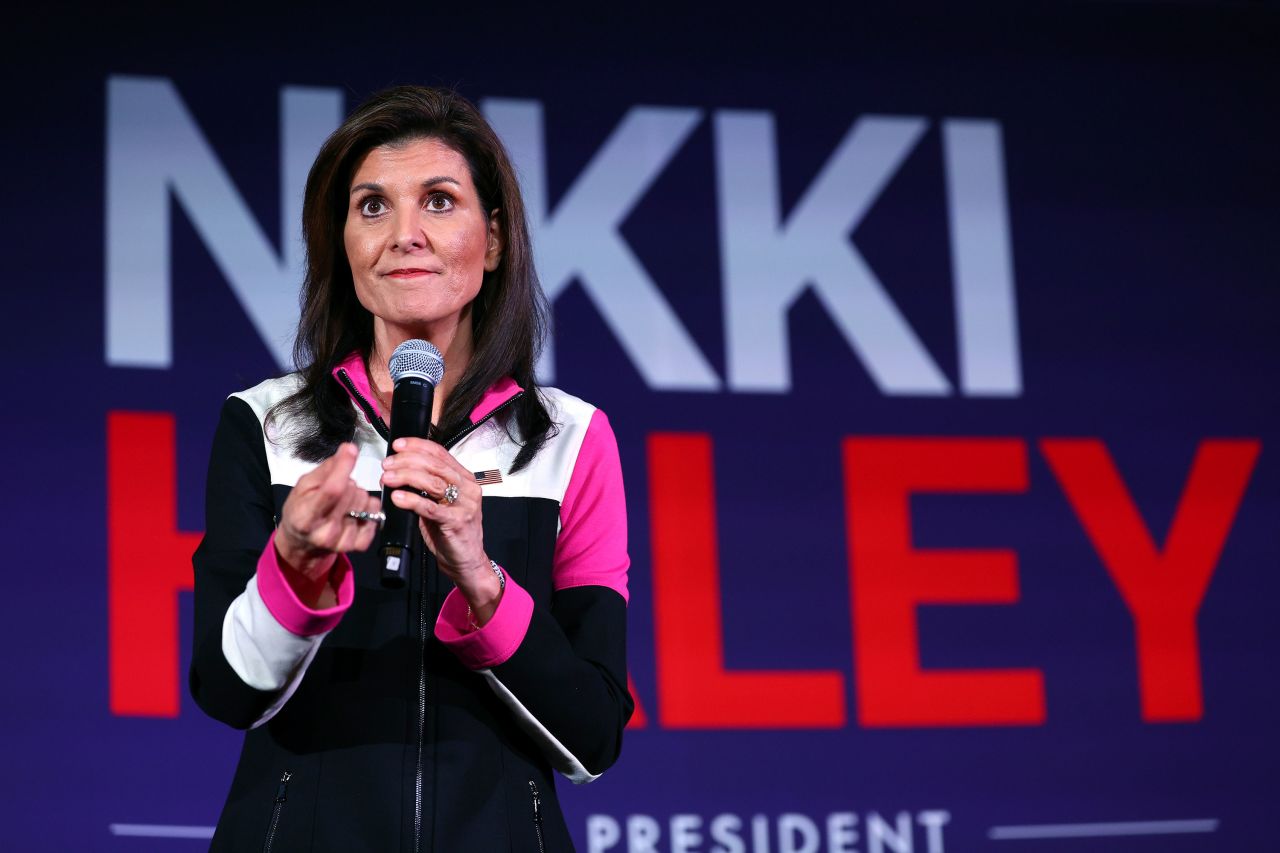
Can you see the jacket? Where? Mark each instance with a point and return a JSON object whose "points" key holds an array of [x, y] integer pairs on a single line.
{"points": [[386, 723]]}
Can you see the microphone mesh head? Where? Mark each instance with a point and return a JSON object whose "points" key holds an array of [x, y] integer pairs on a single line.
{"points": [[417, 358]]}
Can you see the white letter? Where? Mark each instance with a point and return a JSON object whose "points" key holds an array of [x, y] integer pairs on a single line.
{"points": [[643, 833], [981, 261], [724, 831], [154, 149], [581, 241], [933, 821], [880, 834], [760, 834], [841, 835], [603, 833], [789, 825], [768, 264], [685, 837]]}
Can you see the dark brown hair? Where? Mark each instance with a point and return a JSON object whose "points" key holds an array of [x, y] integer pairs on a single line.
{"points": [[509, 315]]}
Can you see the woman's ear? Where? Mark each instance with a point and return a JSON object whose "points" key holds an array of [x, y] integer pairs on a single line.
{"points": [[493, 251]]}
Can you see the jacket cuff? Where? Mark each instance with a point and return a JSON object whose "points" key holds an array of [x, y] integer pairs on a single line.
{"points": [[284, 603], [498, 640]]}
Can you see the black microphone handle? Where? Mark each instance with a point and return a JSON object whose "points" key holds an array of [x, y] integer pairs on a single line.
{"points": [[410, 418]]}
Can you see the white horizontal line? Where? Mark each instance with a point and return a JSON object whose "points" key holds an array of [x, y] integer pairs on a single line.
{"points": [[1102, 830], [160, 830]]}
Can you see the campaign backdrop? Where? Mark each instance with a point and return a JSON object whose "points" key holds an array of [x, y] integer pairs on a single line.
{"points": [[940, 347]]}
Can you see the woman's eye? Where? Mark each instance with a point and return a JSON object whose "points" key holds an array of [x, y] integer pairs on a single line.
{"points": [[372, 207], [439, 202]]}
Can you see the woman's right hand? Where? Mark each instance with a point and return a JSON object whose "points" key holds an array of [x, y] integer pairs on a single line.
{"points": [[315, 525]]}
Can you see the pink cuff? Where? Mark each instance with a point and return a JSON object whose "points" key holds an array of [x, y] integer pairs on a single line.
{"points": [[284, 603], [498, 640]]}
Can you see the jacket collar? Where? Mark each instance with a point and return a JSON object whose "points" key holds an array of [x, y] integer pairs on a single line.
{"points": [[357, 378]]}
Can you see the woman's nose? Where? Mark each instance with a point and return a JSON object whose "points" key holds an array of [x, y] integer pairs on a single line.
{"points": [[409, 235]]}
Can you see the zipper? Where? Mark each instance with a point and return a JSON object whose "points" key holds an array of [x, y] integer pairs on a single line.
{"points": [[537, 814], [422, 704], [422, 636], [466, 431], [370, 413], [276, 809]]}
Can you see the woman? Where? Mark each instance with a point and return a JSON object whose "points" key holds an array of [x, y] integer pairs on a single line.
{"points": [[429, 717]]}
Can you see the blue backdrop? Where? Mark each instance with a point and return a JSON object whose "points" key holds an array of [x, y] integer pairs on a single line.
{"points": [[940, 349]]}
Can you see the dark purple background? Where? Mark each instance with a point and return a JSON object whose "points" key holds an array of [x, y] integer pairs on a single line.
{"points": [[1140, 153]]}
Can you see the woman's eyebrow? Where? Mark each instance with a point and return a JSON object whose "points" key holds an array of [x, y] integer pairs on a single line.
{"points": [[432, 181]]}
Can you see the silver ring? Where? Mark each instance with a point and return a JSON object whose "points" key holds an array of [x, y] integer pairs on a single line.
{"points": [[450, 494], [361, 515]]}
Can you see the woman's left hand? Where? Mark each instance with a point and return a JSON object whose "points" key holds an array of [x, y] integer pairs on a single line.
{"points": [[420, 471]]}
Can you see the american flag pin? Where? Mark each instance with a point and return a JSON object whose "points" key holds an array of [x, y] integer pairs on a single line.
{"points": [[486, 478]]}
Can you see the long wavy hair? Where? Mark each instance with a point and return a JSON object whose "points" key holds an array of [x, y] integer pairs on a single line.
{"points": [[509, 316]]}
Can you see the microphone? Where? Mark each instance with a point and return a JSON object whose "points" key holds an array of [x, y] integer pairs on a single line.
{"points": [[416, 368]]}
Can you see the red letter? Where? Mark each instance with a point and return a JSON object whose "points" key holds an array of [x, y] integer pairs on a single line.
{"points": [[694, 689], [638, 718], [890, 578], [149, 563], [1163, 590]]}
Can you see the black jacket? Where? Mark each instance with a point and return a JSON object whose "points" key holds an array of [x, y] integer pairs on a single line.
{"points": [[384, 725]]}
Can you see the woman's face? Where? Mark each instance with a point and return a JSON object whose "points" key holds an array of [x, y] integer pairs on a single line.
{"points": [[416, 236]]}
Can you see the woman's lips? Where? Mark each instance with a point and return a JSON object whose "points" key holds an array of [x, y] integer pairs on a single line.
{"points": [[408, 272]]}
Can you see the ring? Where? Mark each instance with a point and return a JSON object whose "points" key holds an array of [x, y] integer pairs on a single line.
{"points": [[450, 494], [361, 515]]}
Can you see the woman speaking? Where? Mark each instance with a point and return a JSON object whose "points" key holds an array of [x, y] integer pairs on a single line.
{"points": [[428, 717]]}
